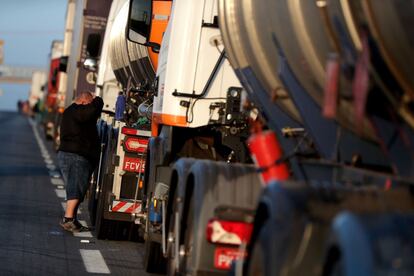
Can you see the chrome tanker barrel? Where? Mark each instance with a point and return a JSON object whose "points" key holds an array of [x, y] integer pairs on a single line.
{"points": [[128, 60], [250, 49], [391, 24], [306, 40], [258, 34], [388, 25], [140, 61]]}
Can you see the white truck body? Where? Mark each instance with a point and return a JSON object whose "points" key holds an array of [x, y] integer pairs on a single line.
{"points": [[67, 42], [185, 67], [38, 82]]}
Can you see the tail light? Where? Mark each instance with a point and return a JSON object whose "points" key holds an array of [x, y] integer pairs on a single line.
{"points": [[228, 232], [129, 131], [135, 132], [331, 87], [133, 144]]}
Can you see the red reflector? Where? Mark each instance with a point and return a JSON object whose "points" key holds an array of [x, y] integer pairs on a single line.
{"points": [[360, 84], [134, 144], [331, 87], [228, 232], [129, 131], [223, 257], [133, 164]]}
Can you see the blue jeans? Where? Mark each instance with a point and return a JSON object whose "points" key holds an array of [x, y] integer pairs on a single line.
{"points": [[76, 171]]}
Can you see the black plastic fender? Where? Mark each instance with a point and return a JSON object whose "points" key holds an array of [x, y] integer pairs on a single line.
{"points": [[306, 225], [216, 184], [363, 245], [279, 225], [154, 159]]}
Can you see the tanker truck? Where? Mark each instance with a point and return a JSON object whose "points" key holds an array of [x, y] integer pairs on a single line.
{"points": [[115, 192], [346, 205], [324, 89]]}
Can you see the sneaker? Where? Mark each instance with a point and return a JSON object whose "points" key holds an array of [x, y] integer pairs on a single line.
{"points": [[73, 226], [80, 226]]}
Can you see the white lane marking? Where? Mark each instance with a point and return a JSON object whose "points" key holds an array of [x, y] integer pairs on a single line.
{"points": [[94, 262], [54, 174], [60, 187], [85, 241], [87, 234], [60, 193], [51, 167], [57, 181], [48, 161], [41, 144]]}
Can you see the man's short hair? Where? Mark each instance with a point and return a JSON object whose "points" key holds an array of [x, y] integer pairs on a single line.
{"points": [[84, 97]]}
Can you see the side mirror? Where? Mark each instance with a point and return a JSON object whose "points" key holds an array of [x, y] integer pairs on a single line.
{"points": [[63, 64], [155, 47], [93, 45], [90, 64], [139, 21]]}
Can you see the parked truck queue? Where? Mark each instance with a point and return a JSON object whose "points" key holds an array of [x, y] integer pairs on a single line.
{"points": [[270, 137]]}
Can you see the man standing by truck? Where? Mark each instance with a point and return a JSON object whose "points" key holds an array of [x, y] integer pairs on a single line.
{"points": [[78, 153]]}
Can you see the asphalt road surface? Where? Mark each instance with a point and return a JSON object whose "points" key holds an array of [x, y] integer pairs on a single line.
{"points": [[31, 205]]}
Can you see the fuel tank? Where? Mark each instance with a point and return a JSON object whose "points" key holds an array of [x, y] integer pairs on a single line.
{"points": [[263, 37]]}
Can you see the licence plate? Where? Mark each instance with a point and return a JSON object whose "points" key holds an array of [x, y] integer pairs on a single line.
{"points": [[133, 164], [223, 257]]}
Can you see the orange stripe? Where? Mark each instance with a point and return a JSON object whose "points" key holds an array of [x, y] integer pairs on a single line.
{"points": [[154, 129], [118, 206], [132, 208], [171, 120], [158, 27]]}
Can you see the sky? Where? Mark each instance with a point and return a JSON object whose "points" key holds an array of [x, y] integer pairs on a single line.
{"points": [[28, 28]]}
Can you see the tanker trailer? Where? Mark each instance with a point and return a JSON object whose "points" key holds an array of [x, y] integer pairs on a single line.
{"points": [[345, 66], [116, 192]]}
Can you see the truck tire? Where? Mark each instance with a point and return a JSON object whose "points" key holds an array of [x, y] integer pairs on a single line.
{"points": [[254, 264], [171, 261], [92, 203], [174, 208], [355, 237], [102, 225], [154, 262], [257, 263], [186, 259], [93, 196]]}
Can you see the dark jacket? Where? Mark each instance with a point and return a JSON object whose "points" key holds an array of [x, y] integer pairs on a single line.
{"points": [[78, 133]]}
